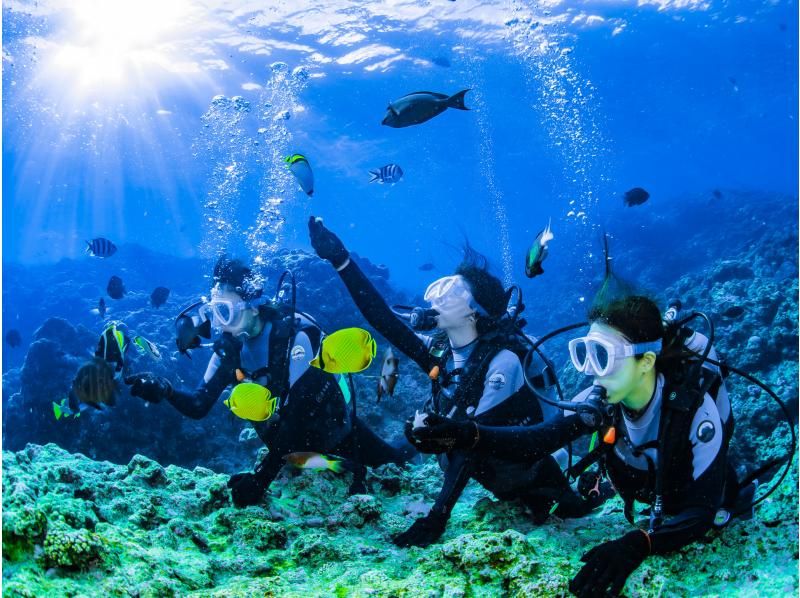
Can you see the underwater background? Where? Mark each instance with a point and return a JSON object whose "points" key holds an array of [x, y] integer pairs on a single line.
{"points": [[163, 127]]}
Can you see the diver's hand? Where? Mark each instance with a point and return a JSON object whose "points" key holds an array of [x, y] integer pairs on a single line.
{"points": [[246, 489], [229, 349], [149, 387], [423, 532], [609, 564], [326, 244], [442, 434]]}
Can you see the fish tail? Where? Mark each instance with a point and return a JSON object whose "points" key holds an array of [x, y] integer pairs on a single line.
{"points": [[376, 175], [457, 100], [57, 410], [335, 465]]}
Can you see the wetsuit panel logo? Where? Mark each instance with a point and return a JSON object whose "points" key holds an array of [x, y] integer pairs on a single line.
{"points": [[497, 381], [298, 352], [706, 431]]}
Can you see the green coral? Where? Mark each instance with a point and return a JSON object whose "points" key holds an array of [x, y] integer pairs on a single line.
{"points": [[72, 549]]}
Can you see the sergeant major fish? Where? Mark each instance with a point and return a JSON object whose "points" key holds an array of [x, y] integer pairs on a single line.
{"points": [[391, 173]]}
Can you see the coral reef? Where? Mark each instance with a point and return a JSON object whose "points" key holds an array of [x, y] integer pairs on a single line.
{"points": [[73, 526]]}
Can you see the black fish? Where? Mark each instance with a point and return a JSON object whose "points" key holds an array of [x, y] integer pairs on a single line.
{"points": [[159, 296], [101, 307], [732, 312], [442, 61], [13, 338], [94, 384], [115, 288], [427, 267], [636, 197], [391, 173], [717, 193], [100, 247], [419, 106]]}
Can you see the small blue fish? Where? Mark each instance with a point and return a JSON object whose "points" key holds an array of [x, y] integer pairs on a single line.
{"points": [[100, 247], [391, 173]]}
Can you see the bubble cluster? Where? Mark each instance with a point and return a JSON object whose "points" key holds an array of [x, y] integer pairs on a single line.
{"points": [[566, 103]]}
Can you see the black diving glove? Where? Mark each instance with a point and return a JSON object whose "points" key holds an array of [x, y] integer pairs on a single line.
{"points": [[326, 244], [609, 564], [423, 532], [149, 387], [441, 434], [246, 489], [229, 350]]}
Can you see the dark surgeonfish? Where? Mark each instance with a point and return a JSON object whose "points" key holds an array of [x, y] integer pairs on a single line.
{"points": [[94, 384], [13, 338], [417, 107], [636, 197], [391, 173], [115, 288], [426, 267], [100, 247], [733, 311], [159, 296]]}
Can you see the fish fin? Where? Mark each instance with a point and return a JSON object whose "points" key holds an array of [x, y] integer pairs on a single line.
{"points": [[438, 96], [457, 100], [376, 175], [57, 410], [335, 465]]}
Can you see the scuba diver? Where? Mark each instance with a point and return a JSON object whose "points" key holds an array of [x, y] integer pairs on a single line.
{"points": [[271, 345], [660, 405], [474, 362]]}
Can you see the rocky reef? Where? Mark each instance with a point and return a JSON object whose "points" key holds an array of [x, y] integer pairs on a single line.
{"points": [[77, 527]]}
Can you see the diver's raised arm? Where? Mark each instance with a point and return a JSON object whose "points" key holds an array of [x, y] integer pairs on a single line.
{"points": [[366, 297]]}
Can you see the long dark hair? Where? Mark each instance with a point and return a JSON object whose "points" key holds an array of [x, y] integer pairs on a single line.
{"points": [[486, 288]]}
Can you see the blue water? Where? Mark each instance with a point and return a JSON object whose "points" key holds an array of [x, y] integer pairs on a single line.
{"points": [[594, 99]]}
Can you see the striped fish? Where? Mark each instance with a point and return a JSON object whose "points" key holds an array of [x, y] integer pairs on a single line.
{"points": [[100, 247], [391, 173]]}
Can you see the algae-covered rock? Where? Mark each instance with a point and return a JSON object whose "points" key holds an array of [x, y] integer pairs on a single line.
{"points": [[181, 536], [72, 549]]}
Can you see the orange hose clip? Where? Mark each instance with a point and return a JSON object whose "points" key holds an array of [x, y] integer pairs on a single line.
{"points": [[434, 373], [240, 375], [610, 437]]}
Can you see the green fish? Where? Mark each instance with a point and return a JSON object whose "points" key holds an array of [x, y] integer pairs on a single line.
{"points": [[301, 170], [145, 347], [63, 409], [537, 253]]}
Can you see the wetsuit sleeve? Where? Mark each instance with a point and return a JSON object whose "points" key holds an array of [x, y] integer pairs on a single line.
{"points": [[503, 378], [529, 443], [377, 313], [197, 404]]}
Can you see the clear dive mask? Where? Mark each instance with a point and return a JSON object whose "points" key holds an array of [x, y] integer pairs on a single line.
{"points": [[451, 296], [598, 354], [222, 312]]}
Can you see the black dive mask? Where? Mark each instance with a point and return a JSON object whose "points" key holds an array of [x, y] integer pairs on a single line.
{"points": [[189, 329]]}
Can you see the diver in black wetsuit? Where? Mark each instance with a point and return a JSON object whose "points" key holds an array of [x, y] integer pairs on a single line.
{"points": [[476, 370], [274, 348], [665, 420]]}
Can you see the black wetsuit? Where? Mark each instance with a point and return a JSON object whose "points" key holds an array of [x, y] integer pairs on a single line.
{"points": [[483, 382], [312, 413], [696, 477]]}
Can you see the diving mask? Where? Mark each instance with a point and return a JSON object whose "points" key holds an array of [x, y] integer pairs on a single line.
{"points": [[451, 296], [599, 354], [222, 312]]}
